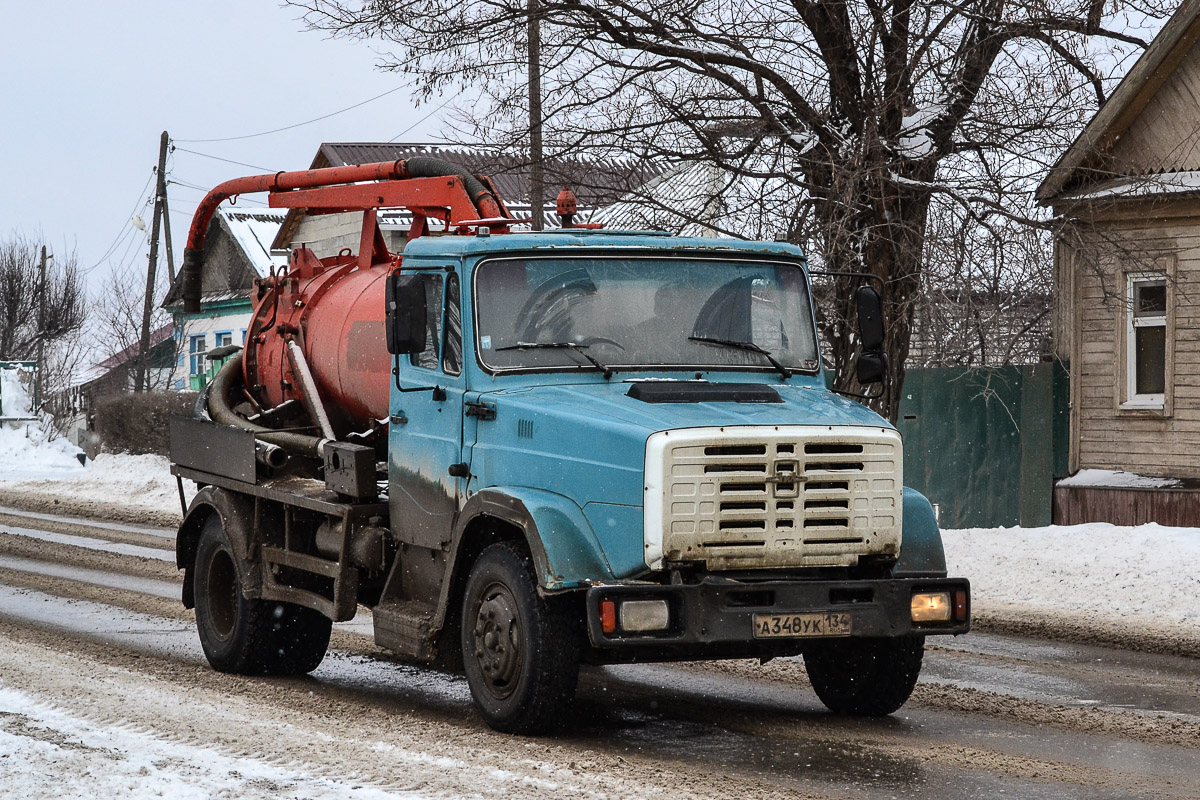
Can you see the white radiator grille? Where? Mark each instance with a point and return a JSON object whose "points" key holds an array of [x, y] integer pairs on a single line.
{"points": [[789, 496]]}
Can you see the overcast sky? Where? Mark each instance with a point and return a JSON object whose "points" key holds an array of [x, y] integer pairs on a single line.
{"points": [[88, 87]]}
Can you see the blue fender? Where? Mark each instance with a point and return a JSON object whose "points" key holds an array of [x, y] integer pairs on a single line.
{"points": [[921, 551], [566, 552]]}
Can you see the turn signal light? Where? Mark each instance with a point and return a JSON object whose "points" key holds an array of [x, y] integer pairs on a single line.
{"points": [[960, 605], [931, 607], [608, 616]]}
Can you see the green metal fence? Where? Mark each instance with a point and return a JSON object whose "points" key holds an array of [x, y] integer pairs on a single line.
{"points": [[986, 444]]}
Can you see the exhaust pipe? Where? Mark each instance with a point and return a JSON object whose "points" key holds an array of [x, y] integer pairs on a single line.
{"points": [[269, 455]]}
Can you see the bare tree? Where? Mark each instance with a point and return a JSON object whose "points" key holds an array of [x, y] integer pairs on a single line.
{"points": [[66, 359], [21, 293], [118, 317], [863, 113]]}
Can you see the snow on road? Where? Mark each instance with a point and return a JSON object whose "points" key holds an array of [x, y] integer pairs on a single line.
{"points": [[48, 753], [1140, 579]]}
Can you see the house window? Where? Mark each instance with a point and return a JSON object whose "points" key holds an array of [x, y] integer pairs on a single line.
{"points": [[1146, 341], [197, 346], [222, 338]]}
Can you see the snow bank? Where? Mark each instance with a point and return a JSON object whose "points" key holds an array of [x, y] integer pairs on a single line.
{"points": [[14, 399], [1142, 578], [29, 447], [27, 451], [114, 486]]}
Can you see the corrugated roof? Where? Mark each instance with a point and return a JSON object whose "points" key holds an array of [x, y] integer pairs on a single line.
{"points": [[701, 199], [596, 182]]}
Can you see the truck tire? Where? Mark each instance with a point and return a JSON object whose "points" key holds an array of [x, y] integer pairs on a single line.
{"points": [[520, 650], [244, 636], [865, 677]]}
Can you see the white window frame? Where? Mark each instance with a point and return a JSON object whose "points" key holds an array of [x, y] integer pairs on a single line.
{"points": [[1133, 400], [197, 347]]}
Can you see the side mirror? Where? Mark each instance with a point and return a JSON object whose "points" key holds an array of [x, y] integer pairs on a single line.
{"points": [[405, 314], [871, 367], [870, 319]]}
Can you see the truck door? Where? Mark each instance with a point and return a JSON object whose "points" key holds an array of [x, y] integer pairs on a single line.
{"points": [[425, 434]]}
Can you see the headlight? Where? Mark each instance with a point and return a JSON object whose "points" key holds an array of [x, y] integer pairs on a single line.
{"points": [[644, 615], [931, 607], [635, 616]]}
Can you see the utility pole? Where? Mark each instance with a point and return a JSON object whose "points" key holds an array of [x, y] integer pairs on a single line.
{"points": [[166, 223], [537, 187], [41, 351], [139, 384]]}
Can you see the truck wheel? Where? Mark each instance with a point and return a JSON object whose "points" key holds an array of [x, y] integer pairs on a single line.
{"points": [[520, 650], [244, 636], [865, 677]]}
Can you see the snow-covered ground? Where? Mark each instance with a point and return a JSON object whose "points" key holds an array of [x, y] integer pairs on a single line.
{"points": [[28, 447], [1129, 579], [48, 753], [46, 472], [1132, 581]]}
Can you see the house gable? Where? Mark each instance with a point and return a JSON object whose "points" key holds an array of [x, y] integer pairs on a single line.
{"points": [[236, 251], [1165, 136], [1141, 112]]}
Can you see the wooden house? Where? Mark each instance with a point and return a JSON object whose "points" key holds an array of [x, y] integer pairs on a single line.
{"points": [[237, 250], [1127, 273]]}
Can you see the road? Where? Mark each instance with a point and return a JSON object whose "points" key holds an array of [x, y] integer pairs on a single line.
{"points": [[91, 628]]}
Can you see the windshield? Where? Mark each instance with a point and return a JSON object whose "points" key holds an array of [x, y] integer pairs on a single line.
{"points": [[643, 313]]}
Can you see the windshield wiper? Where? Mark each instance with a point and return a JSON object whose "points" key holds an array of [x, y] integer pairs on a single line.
{"points": [[578, 348], [748, 346]]}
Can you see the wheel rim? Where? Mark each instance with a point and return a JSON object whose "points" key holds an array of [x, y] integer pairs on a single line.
{"points": [[221, 593], [498, 640]]}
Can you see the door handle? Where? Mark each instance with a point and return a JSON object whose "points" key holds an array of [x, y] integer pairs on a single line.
{"points": [[461, 470], [481, 410]]}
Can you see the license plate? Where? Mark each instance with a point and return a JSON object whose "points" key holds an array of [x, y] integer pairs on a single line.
{"points": [[779, 626]]}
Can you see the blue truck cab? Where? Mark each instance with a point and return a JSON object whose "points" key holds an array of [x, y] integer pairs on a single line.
{"points": [[610, 447]]}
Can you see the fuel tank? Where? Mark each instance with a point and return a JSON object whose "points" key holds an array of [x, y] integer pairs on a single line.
{"points": [[333, 309]]}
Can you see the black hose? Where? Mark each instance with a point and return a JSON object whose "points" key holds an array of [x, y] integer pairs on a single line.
{"points": [[218, 406], [437, 168]]}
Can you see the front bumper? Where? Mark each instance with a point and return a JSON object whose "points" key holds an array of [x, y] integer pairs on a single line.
{"points": [[718, 614]]}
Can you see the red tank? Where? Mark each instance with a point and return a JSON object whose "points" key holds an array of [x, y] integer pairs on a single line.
{"points": [[331, 311], [334, 310]]}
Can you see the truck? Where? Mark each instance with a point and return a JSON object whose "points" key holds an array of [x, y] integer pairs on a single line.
{"points": [[524, 452]]}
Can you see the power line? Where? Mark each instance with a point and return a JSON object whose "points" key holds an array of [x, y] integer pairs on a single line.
{"points": [[121, 232], [226, 160], [298, 124], [193, 187], [443, 104]]}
